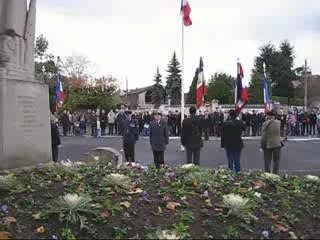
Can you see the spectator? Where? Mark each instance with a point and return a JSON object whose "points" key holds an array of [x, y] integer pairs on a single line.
{"points": [[312, 123], [65, 122], [206, 125], [111, 120], [55, 139], [103, 122], [93, 122], [130, 136]]}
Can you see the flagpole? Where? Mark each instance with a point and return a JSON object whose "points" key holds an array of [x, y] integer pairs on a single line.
{"points": [[235, 87], [182, 77]]}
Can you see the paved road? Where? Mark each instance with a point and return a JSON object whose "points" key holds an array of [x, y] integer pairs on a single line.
{"points": [[299, 157]]}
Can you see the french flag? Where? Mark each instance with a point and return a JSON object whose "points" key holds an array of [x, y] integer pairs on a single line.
{"points": [[242, 93], [201, 86], [185, 12], [266, 95], [59, 91]]}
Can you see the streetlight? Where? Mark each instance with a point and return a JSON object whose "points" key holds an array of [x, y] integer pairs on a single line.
{"points": [[44, 73]]}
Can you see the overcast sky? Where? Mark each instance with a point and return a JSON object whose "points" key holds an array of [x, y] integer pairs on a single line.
{"points": [[132, 37]]}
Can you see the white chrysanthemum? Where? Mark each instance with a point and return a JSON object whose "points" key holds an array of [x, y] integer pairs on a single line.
{"points": [[271, 176], [235, 203], [187, 166], [72, 200], [166, 234], [313, 178], [116, 179]]}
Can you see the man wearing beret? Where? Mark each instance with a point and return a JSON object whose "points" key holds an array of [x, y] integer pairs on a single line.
{"points": [[130, 135]]}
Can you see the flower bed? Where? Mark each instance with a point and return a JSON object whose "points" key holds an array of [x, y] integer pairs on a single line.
{"points": [[98, 201]]}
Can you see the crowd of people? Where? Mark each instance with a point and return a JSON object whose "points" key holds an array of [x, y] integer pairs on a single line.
{"points": [[294, 123], [273, 127]]}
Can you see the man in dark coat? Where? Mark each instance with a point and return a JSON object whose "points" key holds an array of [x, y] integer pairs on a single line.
{"points": [[130, 136], [191, 137], [65, 122], [231, 140], [159, 138], [55, 139], [206, 125], [103, 122]]}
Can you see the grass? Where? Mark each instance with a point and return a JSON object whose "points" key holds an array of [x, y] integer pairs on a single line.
{"points": [[166, 203]]}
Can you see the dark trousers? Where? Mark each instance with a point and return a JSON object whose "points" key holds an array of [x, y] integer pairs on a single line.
{"points": [[312, 130], [115, 128], [55, 153], [206, 132], [254, 130], [111, 125], [128, 149], [65, 129], [269, 155], [193, 154], [234, 159], [93, 130], [158, 157], [103, 131]]}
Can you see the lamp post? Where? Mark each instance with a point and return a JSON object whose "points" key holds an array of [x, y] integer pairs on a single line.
{"points": [[44, 73]]}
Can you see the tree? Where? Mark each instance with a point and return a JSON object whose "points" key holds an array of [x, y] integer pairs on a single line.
{"points": [[158, 92], [47, 62], [76, 66], [255, 88], [279, 64], [173, 86], [103, 94], [221, 87], [41, 47], [191, 99]]}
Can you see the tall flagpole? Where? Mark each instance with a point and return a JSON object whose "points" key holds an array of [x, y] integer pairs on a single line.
{"points": [[182, 77], [236, 87]]}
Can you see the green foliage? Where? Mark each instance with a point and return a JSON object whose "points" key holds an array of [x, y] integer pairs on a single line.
{"points": [[173, 86], [72, 209], [92, 97], [67, 234], [279, 69], [231, 233], [182, 230], [10, 183], [41, 47], [256, 88], [113, 208], [119, 233], [117, 180], [204, 178], [221, 87], [186, 216], [158, 92], [191, 99]]}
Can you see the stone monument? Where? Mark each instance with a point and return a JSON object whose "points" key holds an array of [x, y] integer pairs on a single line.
{"points": [[25, 137]]}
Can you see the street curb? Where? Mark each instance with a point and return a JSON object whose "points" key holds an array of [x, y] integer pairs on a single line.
{"points": [[218, 139]]}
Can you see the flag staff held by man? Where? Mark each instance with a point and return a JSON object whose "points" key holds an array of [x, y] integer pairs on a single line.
{"points": [[186, 21], [241, 94]]}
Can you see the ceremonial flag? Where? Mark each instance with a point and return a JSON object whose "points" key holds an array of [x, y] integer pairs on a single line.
{"points": [[201, 86], [59, 91], [185, 12], [242, 94], [266, 95]]}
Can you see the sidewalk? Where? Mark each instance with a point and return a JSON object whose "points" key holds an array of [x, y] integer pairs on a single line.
{"points": [[292, 139]]}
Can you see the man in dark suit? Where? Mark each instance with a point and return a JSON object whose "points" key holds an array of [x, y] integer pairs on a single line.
{"points": [[231, 140], [55, 139], [159, 138], [130, 135], [191, 137]]}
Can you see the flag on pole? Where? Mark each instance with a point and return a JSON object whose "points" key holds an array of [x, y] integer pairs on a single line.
{"points": [[266, 95], [201, 86], [59, 91], [242, 94], [185, 12]]}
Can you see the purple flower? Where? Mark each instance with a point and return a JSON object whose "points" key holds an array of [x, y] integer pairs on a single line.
{"points": [[145, 196], [39, 166], [4, 208]]}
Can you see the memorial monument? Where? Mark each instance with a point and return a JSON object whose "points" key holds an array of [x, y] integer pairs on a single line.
{"points": [[25, 137]]}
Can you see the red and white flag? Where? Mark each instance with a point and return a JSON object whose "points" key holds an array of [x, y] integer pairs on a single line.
{"points": [[241, 92], [185, 12], [201, 86]]}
